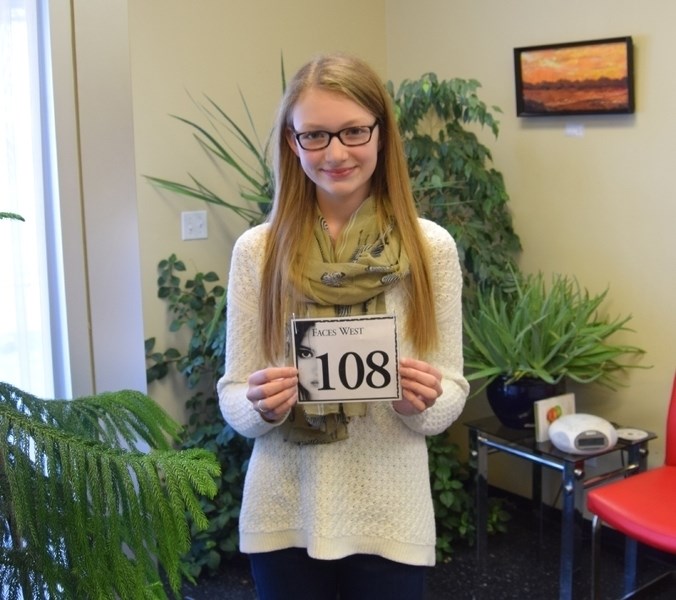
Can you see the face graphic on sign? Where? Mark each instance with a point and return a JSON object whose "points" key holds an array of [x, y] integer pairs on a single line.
{"points": [[307, 350]]}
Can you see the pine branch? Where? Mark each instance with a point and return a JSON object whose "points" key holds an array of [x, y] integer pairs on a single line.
{"points": [[83, 517], [105, 417]]}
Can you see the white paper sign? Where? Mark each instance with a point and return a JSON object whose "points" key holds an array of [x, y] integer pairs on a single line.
{"points": [[346, 359]]}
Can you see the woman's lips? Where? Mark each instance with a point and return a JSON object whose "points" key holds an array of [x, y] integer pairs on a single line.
{"points": [[338, 173]]}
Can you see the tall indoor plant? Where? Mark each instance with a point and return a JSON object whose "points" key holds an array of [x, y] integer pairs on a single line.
{"points": [[454, 181], [542, 334], [195, 304]]}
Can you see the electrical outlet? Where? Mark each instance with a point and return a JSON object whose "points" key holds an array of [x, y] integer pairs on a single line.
{"points": [[194, 225]]}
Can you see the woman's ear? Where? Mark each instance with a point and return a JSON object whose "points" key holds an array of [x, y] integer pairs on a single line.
{"points": [[291, 140]]}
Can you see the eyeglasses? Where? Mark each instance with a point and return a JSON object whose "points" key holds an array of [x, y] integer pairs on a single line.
{"points": [[357, 135]]}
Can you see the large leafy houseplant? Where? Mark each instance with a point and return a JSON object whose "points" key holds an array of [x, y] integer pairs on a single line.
{"points": [[454, 182], [83, 513], [548, 332]]}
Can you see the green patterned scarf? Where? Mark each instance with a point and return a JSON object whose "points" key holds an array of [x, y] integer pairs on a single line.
{"points": [[343, 279]]}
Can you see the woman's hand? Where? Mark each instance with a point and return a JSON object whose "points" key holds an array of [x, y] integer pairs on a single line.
{"points": [[273, 391], [421, 386]]}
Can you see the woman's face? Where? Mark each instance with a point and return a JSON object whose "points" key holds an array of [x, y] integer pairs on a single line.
{"points": [[341, 173]]}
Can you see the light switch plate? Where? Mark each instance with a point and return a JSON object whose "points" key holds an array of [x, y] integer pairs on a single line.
{"points": [[194, 225]]}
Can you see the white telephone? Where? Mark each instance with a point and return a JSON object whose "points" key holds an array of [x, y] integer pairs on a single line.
{"points": [[581, 433]]}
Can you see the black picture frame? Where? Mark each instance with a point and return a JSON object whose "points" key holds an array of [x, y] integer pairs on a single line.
{"points": [[592, 77]]}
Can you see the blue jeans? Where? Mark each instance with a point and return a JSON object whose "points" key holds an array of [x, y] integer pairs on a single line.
{"points": [[291, 574]]}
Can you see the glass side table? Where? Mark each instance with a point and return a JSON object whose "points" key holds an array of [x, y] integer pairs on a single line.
{"points": [[488, 435]]}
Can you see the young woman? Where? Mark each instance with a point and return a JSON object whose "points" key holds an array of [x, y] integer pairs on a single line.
{"points": [[337, 500]]}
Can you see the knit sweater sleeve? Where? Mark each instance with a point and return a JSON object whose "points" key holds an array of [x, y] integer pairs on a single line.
{"points": [[448, 357], [242, 350]]}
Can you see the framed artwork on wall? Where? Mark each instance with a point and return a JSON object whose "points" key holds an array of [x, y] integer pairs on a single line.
{"points": [[575, 78]]}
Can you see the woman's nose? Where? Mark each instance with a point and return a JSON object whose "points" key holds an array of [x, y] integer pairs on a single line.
{"points": [[336, 150]]}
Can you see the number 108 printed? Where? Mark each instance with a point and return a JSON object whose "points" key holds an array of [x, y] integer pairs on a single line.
{"points": [[346, 359]]}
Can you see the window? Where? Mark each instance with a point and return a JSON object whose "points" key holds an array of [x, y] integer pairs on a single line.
{"points": [[29, 290]]}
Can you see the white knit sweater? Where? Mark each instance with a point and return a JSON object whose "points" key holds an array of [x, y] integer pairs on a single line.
{"points": [[367, 494]]}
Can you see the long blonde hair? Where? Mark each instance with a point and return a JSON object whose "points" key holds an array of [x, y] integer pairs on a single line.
{"points": [[294, 207]]}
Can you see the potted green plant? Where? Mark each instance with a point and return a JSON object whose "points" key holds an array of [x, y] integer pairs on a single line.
{"points": [[197, 309], [83, 512], [538, 336], [95, 501]]}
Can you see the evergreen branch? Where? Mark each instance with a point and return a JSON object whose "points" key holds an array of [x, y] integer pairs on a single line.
{"points": [[106, 417], [85, 518]]}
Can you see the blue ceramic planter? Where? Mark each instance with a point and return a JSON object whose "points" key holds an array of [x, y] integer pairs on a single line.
{"points": [[512, 403]]}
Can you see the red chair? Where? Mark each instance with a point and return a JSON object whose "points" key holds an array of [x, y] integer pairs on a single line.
{"points": [[643, 508]]}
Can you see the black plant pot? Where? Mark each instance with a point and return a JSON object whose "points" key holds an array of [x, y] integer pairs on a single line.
{"points": [[512, 403]]}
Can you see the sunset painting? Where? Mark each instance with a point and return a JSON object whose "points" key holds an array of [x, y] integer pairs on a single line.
{"points": [[577, 78]]}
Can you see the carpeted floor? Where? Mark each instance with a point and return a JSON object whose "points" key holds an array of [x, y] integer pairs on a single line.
{"points": [[522, 563]]}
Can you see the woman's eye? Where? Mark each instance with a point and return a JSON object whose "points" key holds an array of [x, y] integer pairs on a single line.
{"points": [[313, 136], [356, 131], [304, 352]]}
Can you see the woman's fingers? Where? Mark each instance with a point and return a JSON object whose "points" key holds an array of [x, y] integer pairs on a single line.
{"points": [[421, 386], [421, 378], [273, 391]]}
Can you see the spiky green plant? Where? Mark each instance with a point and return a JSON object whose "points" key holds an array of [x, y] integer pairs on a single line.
{"points": [[546, 332], [218, 142], [84, 513], [225, 141]]}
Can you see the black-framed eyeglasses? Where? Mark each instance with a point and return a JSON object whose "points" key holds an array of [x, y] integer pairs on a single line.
{"points": [[356, 135]]}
